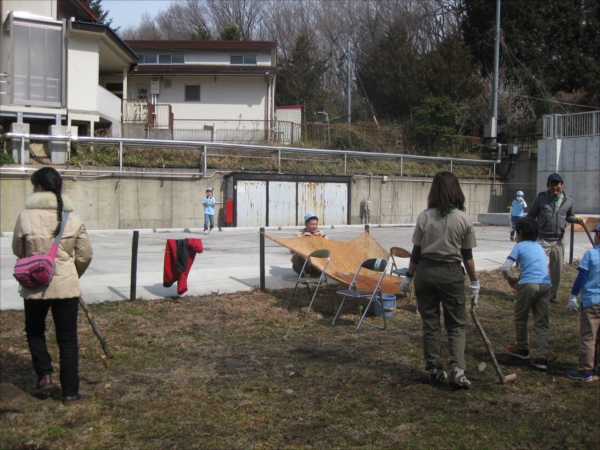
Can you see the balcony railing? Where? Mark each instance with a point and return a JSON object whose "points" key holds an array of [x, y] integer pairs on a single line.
{"points": [[152, 116], [241, 131], [560, 126]]}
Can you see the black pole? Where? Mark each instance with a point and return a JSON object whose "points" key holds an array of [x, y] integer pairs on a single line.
{"points": [[134, 253], [367, 228], [262, 258], [572, 239]]}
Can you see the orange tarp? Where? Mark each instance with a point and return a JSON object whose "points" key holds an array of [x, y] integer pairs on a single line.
{"points": [[346, 257]]}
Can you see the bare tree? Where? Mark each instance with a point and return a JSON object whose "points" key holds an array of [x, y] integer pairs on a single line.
{"points": [[246, 15]]}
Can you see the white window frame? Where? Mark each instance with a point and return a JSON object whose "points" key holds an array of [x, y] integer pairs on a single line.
{"points": [[43, 24], [244, 63]]}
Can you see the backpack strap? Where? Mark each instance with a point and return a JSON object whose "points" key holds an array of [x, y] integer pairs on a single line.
{"points": [[55, 244]]}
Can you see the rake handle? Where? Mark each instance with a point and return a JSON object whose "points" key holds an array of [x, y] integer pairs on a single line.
{"points": [[96, 329], [588, 233], [488, 345]]}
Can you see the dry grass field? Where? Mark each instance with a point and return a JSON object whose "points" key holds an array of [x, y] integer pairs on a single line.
{"points": [[239, 371]]}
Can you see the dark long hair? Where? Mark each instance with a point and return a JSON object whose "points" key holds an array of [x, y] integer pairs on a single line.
{"points": [[50, 180], [445, 192]]}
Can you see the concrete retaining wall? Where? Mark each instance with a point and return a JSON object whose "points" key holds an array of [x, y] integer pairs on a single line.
{"points": [[578, 162], [113, 202]]}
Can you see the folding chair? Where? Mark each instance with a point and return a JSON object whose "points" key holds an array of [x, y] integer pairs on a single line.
{"points": [[378, 265], [399, 252], [306, 279]]}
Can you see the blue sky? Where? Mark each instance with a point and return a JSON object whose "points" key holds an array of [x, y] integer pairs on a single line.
{"points": [[126, 13]]}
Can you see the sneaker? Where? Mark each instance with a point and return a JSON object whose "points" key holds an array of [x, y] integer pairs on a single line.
{"points": [[512, 239], [210, 231], [437, 376], [555, 301], [205, 231], [517, 353], [458, 379], [580, 376], [540, 363]]}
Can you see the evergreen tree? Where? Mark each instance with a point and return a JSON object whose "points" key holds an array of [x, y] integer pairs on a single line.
{"points": [[101, 13], [448, 71], [201, 34], [437, 117], [299, 80], [231, 33], [545, 42], [390, 74]]}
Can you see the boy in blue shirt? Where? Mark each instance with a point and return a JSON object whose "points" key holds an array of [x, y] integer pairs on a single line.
{"points": [[533, 292], [517, 210], [588, 283], [209, 203]]}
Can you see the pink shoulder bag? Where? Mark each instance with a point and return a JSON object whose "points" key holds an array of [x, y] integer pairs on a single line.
{"points": [[38, 270]]}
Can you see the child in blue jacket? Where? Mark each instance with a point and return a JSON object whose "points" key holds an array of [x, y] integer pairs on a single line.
{"points": [[533, 292], [517, 210], [588, 283]]}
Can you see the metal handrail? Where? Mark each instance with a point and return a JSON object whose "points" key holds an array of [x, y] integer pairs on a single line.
{"points": [[204, 145]]}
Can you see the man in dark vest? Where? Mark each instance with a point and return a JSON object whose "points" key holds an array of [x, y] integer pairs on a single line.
{"points": [[553, 210]]}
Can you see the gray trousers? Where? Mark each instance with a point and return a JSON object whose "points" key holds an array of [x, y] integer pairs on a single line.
{"points": [[589, 338], [555, 251], [442, 284], [534, 297]]}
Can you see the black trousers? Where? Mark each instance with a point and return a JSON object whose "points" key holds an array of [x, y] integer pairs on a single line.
{"points": [[64, 313]]}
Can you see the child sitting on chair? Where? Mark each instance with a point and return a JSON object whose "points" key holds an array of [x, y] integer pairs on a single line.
{"points": [[533, 292]]}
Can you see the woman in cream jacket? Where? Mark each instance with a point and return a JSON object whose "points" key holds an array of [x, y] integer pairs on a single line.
{"points": [[35, 231]]}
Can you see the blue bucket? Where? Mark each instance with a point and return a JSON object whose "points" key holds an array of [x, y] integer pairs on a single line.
{"points": [[389, 304]]}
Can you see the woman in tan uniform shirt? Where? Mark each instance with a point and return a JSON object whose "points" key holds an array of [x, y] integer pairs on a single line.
{"points": [[443, 241]]}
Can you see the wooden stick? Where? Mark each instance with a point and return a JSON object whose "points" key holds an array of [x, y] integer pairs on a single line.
{"points": [[488, 345], [588, 234], [96, 329]]}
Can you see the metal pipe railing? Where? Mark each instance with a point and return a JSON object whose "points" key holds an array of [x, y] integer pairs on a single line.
{"points": [[224, 146]]}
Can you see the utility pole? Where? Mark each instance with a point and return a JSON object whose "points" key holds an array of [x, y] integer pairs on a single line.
{"points": [[494, 133], [349, 90]]}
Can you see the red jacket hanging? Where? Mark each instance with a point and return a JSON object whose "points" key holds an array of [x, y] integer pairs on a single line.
{"points": [[179, 257]]}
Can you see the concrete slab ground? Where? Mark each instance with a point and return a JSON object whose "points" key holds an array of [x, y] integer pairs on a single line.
{"points": [[230, 261]]}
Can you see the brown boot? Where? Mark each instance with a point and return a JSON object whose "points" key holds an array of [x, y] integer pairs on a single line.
{"points": [[45, 383], [75, 399]]}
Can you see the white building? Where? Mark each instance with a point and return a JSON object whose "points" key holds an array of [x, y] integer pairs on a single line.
{"points": [[61, 69], [53, 54], [210, 90]]}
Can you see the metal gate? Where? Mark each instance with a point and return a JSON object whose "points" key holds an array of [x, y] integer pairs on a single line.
{"points": [[282, 203], [280, 200], [328, 201], [251, 203]]}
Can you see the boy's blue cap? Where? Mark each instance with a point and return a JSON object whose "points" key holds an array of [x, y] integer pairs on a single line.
{"points": [[309, 216], [597, 229], [520, 194], [209, 189]]}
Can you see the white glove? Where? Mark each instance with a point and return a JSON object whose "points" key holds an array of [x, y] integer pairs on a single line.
{"points": [[405, 285], [473, 291], [573, 306]]}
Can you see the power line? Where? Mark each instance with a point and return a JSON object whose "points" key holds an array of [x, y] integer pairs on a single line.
{"points": [[550, 101]]}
